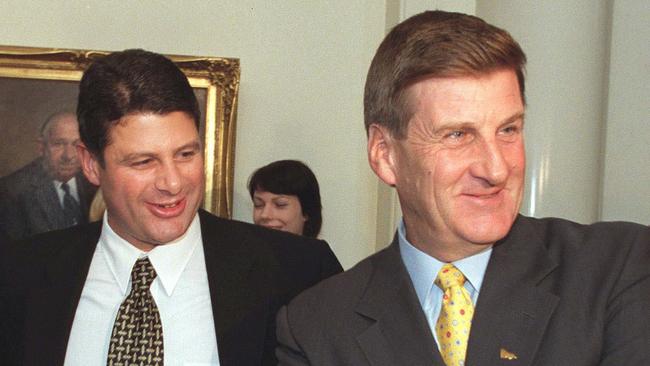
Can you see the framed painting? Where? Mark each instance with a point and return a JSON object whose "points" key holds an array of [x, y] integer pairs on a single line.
{"points": [[38, 82]]}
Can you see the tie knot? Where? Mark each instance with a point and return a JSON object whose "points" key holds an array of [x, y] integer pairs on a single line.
{"points": [[142, 274], [65, 187], [449, 276]]}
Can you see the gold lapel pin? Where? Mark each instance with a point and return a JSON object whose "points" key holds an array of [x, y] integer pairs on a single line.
{"points": [[507, 355]]}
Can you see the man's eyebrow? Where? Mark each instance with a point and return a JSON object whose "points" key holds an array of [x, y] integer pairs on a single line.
{"points": [[137, 155], [193, 145], [467, 124], [514, 118]]}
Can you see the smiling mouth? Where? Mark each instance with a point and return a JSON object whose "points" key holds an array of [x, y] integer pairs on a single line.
{"points": [[485, 196], [168, 209], [273, 227], [489, 195]]}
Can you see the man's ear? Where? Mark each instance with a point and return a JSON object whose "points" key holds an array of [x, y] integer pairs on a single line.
{"points": [[89, 164], [381, 151]]}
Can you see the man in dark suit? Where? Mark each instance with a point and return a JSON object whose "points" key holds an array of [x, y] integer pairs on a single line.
{"points": [[468, 281], [50, 192], [158, 281]]}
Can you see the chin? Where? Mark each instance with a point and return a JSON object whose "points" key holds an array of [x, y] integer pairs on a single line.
{"points": [[488, 231], [165, 235]]}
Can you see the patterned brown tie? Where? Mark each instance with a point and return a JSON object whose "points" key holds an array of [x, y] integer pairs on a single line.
{"points": [[137, 337]]}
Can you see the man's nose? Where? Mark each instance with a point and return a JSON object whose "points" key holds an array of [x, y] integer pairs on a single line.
{"points": [[491, 164], [70, 151], [169, 178]]}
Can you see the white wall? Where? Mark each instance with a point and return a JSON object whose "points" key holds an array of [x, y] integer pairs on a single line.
{"points": [[303, 70], [588, 105], [566, 46], [626, 179]]}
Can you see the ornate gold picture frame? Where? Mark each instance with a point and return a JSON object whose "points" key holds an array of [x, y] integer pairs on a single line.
{"points": [[35, 82]]}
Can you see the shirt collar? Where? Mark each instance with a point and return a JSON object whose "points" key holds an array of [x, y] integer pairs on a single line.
{"points": [[423, 268], [72, 186], [168, 260]]}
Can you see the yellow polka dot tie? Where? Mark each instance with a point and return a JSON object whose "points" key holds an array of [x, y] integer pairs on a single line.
{"points": [[455, 320]]}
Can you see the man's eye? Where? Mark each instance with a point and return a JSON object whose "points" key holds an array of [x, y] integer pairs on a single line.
{"points": [[456, 134], [509, 133], [511, 129], [188, 154], [140, 163], [457, 137]]}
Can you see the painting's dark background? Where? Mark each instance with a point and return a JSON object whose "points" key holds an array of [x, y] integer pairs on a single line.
{"points": [[24, 106]]}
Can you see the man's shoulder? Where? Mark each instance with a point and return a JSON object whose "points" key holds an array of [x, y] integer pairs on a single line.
{"points": [[23, 258], [27, 174], [48, 243], [22, 180], [294, 262], [598, 245], [561, 232], [246, 233], [341, 293]]}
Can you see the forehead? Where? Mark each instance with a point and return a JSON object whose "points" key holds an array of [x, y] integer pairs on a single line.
{"points": [[270, 195], [148, 126], [150, 133], [64, 126], [467, 98]]}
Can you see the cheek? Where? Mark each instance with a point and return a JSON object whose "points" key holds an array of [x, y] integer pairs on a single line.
{"points": [[128, 186], [53, 155], [256, 215], [516, 158]]}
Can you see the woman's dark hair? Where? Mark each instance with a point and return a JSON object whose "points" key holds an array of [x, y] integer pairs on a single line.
{"points": [[292, 177]]}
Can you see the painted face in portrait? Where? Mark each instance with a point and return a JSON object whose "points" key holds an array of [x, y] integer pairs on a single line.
{"points": [[58, 147], [278, 211], [459, 172], [153, 178]]}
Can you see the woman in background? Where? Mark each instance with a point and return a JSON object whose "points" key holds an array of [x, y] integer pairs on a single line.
{"points": [[286, 197]]}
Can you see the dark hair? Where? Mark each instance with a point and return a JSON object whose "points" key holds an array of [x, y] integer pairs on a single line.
{"points": [[292, 177], [126, 82], [433, 44]]}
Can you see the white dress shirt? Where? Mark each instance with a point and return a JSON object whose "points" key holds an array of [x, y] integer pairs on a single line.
{"points": [[180, 290]]}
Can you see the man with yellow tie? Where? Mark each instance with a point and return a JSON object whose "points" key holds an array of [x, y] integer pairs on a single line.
{"points": [[468, 281]]}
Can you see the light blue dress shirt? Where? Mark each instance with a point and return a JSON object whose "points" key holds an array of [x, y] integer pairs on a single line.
{"points": [[423, 270]]}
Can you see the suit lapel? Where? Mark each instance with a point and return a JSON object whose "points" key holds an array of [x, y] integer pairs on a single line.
{"points": [[391, 302], [48, 203], [512, 312], [238, 293], [51, 308]]}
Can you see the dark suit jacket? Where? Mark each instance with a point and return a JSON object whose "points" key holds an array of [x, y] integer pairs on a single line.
{"points": [[554, 293], [30, 205], [252, 271]]}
